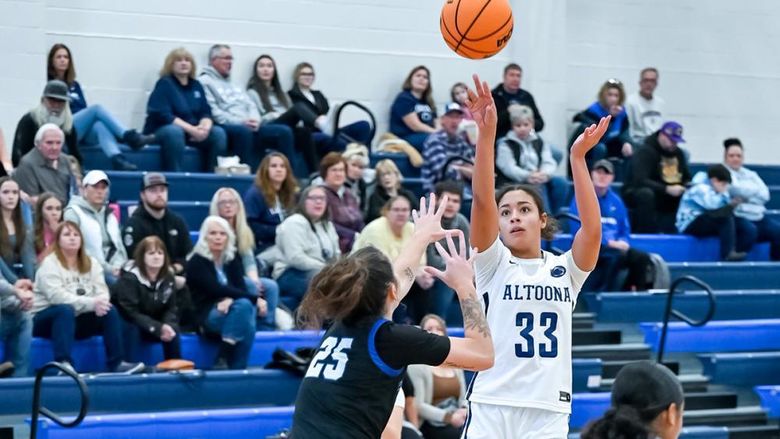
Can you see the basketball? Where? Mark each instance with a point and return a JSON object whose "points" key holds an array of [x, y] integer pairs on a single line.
{"points": [[476, 29]]}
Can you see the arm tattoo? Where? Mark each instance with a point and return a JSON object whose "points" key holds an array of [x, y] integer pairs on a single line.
{"points": [[473, 317], [409, 274]]}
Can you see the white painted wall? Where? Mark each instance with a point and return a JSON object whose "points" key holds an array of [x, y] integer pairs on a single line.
{"points": [[719, 69]]}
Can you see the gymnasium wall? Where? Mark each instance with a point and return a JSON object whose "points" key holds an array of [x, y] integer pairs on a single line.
{"points": [[716, 80]]}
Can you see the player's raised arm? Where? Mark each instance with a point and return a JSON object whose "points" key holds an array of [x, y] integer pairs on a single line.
{"points": [[484, 212], [587, 241], [475, 350]]}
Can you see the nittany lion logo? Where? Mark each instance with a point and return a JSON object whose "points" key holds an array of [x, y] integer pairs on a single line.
{"points": [[558, 271]]}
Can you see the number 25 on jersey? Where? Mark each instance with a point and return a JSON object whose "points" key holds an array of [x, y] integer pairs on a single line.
{"points": [[331, 360], [547, 348]]}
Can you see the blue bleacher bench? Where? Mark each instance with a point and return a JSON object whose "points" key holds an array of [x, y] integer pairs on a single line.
{"points": [[770, 399], [742, 368], [183, 186], [716, 336], [147, 158], [731, 275]]}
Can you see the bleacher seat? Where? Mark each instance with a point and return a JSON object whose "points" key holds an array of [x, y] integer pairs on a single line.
{"points": [[731, 275], [716, 336], [742, 368], [183, 186], [770, 399], [147, 158], [400, 159]]}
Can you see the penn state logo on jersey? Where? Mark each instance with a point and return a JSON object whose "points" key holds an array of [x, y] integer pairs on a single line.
{"points": [[558, 271]]}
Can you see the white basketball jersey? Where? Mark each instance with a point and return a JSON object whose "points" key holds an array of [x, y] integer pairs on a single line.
{"points": [[529, 305]]}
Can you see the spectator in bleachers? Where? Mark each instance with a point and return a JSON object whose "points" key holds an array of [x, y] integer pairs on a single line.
{"points": [[467, 128], [16, 300], [46, 168], [17, 252], [658, 177], [235, 112], [440, 391], [72, 301], [145, 296], [344, 209], [178, 114], [154, 218], [306, 241], [447, 147], [302, 94], [413, 113], [616, 252], [748, 186], [93, 124], [508, 93], [100, 227], [356, 156], [53, 109], [223, 303], [523, 157], [267, 94], [616, 141], [47, 217], [644, 108], [270, 199], [226, 203], [388, 185], [440, 296], [706, 209]]}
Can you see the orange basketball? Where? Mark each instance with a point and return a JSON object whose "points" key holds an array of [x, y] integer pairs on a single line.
{"points": [[476, 29]]}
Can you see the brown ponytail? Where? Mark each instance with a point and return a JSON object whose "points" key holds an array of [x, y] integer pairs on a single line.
{"points": [[348, 290]]}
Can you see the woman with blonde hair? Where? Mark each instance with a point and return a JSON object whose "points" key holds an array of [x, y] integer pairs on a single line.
{"points": [[179, 115], [388, 185], [616, 141], [227, 204], [270, 199]]}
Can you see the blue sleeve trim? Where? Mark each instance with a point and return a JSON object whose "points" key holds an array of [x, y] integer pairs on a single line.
{"points": [[387, 370]]}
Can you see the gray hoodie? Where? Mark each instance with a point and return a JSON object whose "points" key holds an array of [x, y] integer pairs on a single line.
{"points": [[529, 159], [748, 185], [229, 103], [100, 231]]}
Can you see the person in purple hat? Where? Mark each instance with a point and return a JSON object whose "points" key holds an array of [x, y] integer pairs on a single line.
{"points": [[657, 180]]}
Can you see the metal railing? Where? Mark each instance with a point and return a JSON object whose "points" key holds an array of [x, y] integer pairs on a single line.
{"points": [[669, 311], [38, 410]]}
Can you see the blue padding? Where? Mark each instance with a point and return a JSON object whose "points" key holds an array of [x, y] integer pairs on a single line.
{"points": [[193, 212], [698, 432], [586, 407], [200, 424], [400, 159], [716, 336], [677, 248], [147, 159], [731, 275], [88, 355], [648, 307], [770, 399], [742, 369], [156, 392], [183, 186]]}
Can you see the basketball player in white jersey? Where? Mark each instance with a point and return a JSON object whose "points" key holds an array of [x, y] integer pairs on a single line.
{"points": [[528, 294]]}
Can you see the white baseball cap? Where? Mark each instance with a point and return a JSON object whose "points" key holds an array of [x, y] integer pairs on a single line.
{"points": [[94, 177]]}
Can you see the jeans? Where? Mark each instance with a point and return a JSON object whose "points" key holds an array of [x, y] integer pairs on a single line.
{"points": [[354, 132], [650, 212], [96, 126], [237, 325], [281, 139], [611, 261], [734, 233], [294, 283], [554, 194], [60, 324], [251, 146], [134, 335], [302, 135], [173, 140], [16, 332], [271, 296]]}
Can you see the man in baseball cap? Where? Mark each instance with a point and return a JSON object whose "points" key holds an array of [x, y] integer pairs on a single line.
{"points": [[444, 145]]}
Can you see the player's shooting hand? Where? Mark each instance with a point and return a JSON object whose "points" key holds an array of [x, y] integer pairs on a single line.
{"points": [[480, 104], [589, 138]]}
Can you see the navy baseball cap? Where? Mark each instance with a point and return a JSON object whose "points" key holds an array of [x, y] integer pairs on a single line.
{"points": [[674, 131]]}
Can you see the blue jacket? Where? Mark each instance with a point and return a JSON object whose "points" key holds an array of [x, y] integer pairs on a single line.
{"points": [[261, 219], [170, 100], [77, 100], [697, 199], [618, 126], [614, 218]]}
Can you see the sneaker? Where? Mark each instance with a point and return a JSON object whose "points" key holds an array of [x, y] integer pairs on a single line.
{"points": [[6, 369], [736, 256], [120, 163], [130, 368], [136, 140]]}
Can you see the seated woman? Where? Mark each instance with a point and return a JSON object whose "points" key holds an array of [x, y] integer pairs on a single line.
{"points": [[145, 296], [94, 124], [48, 216], [227, 204], [523, 157], [72, 301], [223, 304], [306, 242], [356, 156], [343, 205], [302, 94], [467, 126], [413, 114], [270, 199], [17, 253], [616, 141], [266, 91], [388, 185], [179, 115], [440, 391]]}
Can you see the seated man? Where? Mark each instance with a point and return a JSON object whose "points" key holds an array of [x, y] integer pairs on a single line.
{"points": [[616, 252], [706, 209], [508, 93], [645, 110], [102, 239], [658, 176], [748, 186], [46, 168], [443, 146], [54, 109]]}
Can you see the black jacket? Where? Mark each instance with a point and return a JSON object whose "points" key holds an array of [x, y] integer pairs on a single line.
{"points": [[24, 140], [503, 99], [320, 105], [647, 167], [378, 199], [205, 288], [171, 229], [148, 305]]}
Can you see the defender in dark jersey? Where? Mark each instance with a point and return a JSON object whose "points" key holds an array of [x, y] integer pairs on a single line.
{"points": [[353, 380]]}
